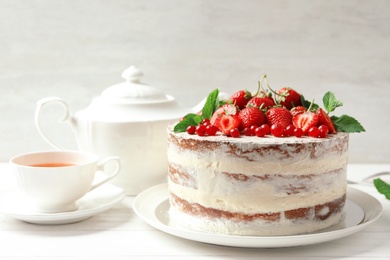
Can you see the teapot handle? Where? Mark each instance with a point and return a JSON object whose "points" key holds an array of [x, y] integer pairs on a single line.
{"points": [[43, 102]]}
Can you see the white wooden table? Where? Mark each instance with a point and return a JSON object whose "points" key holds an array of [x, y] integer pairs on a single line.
{"points": [[120, 234]]}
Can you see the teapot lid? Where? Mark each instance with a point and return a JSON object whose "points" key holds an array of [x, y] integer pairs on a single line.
{"points": [[133, 90], [132, 101]]}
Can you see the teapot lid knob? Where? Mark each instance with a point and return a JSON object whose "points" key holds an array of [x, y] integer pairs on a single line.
{"points": [[133, 90], [132, 74]]}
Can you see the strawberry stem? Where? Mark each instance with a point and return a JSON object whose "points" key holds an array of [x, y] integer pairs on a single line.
{"points": [[266, 82], [261, 91], [258, 89], [280, 97], [311, 104], [259, 86]]}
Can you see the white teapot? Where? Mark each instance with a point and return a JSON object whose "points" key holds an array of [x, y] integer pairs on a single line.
{"points": [[128, 120]]}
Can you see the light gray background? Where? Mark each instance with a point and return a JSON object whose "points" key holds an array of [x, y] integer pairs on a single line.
{"points": [[75, 49]]}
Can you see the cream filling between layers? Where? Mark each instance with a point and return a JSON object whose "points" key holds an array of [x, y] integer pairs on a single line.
{"points": [[259, 197], [231, 164]]}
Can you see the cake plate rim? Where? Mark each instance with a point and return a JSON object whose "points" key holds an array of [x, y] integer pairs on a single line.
{"points": [[147, 202]]}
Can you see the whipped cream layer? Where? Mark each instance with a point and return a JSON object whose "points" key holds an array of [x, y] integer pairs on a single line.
{"points": [[254, 155]]}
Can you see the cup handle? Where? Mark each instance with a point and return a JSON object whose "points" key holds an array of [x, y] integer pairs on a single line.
{"points": [[109, 176], [40, 104]]}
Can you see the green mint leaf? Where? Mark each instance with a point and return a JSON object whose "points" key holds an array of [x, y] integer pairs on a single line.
{"points": [[330, 102], [347, 124], [211, 104], [382, 187], [221, 103], [189, 119], [306, 104]]}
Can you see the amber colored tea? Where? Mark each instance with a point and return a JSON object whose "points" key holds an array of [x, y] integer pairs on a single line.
{"points": [[54, 164]]}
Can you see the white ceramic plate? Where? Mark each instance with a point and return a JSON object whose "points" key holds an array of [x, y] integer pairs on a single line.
{"points": [[361, 209], [94, 202]]}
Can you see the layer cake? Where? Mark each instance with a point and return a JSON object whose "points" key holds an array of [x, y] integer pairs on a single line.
{"points": [[257, 186]]}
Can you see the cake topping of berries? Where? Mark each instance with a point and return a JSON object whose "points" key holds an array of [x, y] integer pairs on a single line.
{"points": [[240, 98], [289, 98], [282, 113], [279, 116], [226, 118], [325, 120], [250, 116], [305, 120], [297, 110], [261, 102]]}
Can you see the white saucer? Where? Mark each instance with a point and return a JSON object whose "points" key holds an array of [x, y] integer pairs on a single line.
{"points": [[94, 202], [361, 209]]}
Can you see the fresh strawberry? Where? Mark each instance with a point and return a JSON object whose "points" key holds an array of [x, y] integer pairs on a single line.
{"points": [[305, 120], [289, 98], [251, 116], [226, 118], [227, 109], [279, 116], [225, 123], [240, 98], [297, 110], [324, 119], [261, 102]]}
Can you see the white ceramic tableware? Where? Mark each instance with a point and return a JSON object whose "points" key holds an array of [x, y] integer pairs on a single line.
{"points": [[52, 181], [128, 120], [13, 205], [361, 210]]}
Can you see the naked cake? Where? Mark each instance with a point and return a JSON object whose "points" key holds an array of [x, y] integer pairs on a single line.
{"points": [[240, 171]]}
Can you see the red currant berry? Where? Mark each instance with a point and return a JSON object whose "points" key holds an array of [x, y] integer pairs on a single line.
{"points": [[191, 130], [253, 128], [200, 130], [324, 130], [266, 128], [298, 132], [313, 131], [211, 130], [206, 121], [234, 132], [289, 130], [260, 132], [277, 130], [247, 132]]}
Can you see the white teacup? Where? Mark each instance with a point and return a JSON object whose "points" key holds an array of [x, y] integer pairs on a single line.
{"points": [[54, 180]]}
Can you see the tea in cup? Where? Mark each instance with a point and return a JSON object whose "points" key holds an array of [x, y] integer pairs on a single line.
{"points": [[54, 180]]}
